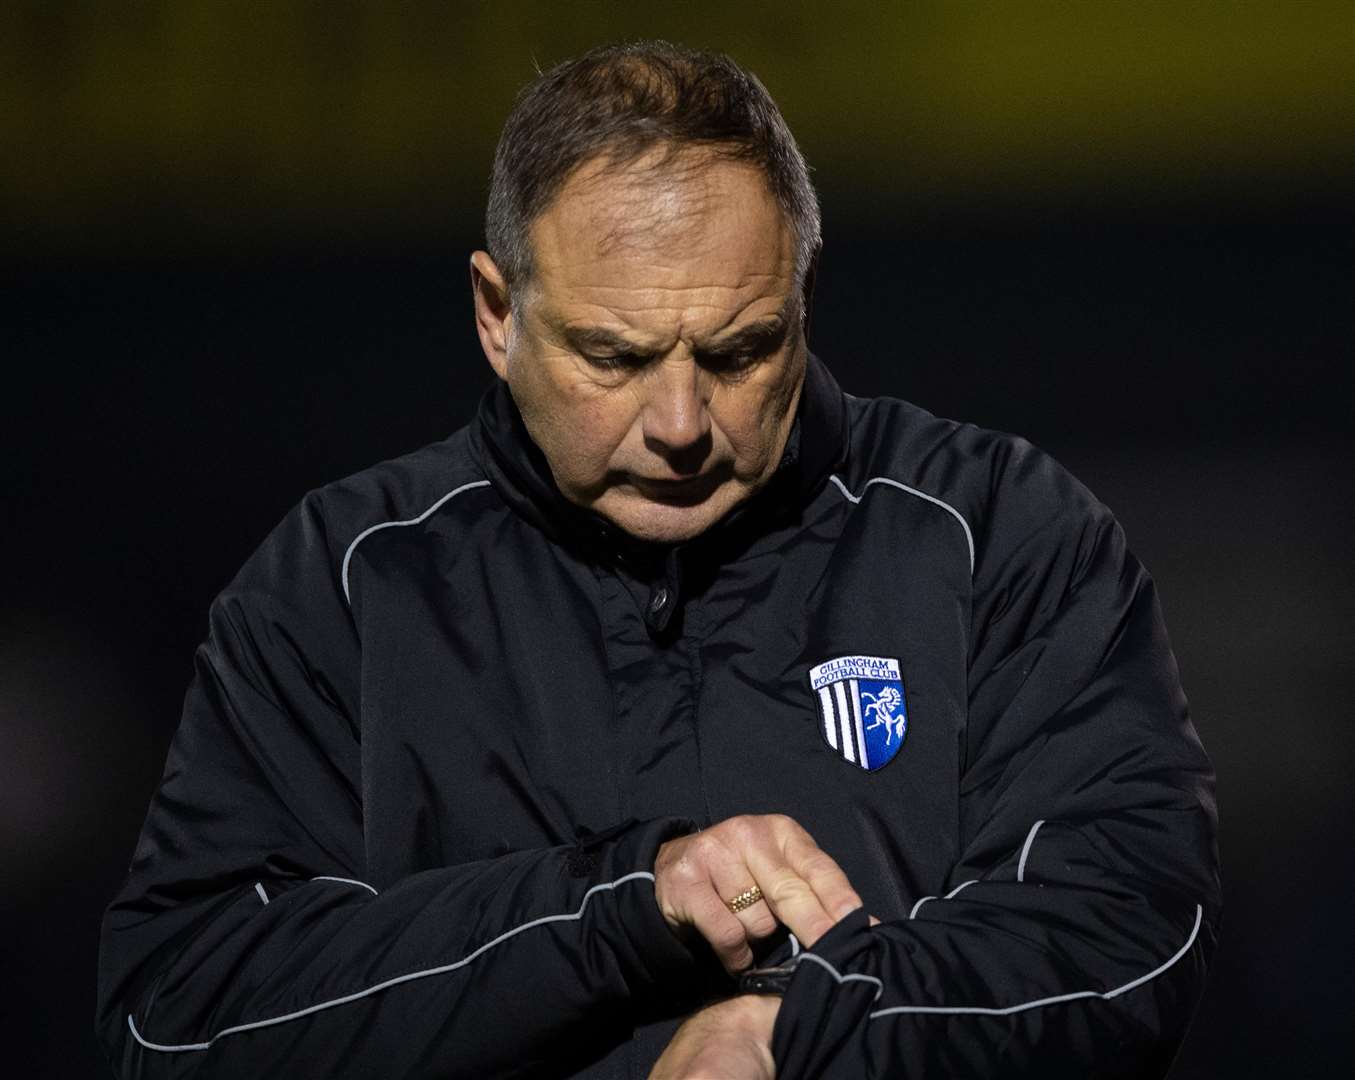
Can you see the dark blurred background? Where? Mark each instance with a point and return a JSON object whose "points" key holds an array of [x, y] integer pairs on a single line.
{"points": [[233, 244]]}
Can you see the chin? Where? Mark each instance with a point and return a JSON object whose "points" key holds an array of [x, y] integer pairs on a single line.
{"points": [[665, 531], [665, 523]]}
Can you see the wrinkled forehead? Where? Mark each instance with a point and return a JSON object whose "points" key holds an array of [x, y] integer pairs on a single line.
{"points": [[690, 210]]}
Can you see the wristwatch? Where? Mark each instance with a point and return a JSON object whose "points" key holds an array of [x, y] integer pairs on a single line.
{"points": [[766, 980]]}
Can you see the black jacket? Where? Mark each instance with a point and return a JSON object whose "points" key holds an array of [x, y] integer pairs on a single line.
{"points": [[444, 719]]}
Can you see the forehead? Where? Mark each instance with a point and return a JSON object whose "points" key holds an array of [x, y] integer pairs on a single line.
{"points": [[693, 229]]}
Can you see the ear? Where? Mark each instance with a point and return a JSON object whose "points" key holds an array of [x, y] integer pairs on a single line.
{"points": [[493, 312]]}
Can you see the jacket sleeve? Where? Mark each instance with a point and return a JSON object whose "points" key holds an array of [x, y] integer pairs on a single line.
{"points": [[1073, 935], [246, 941]]}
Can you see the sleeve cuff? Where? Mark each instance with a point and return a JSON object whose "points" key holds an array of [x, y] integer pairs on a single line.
{"points": [[819, 1024], [657, 958]]}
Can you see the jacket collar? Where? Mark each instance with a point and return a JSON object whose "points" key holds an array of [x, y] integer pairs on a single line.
{"points": [[518, 470]]}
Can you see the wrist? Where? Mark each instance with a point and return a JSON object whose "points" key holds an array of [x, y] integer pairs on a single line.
{"points": [[754, 1014]]}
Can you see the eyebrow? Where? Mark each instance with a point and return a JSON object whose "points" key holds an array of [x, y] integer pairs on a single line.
{"points": [[756, 338], [595, 339], [763, 335]]}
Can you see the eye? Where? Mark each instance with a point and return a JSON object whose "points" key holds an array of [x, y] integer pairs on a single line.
{"points": [[732, 365], [615, 361], [737, 359]]}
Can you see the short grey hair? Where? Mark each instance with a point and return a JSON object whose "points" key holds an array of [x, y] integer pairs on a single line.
{"points": [[620, 102]]}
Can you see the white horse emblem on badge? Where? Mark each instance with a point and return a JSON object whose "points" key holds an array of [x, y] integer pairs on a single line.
{"points": [[862, 708], [882, 706]]}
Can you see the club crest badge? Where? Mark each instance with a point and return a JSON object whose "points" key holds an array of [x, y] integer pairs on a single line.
{"points": [[862, 711]]}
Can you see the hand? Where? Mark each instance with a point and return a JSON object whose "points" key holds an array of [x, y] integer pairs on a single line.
{"points": [[802, 887], [731, 1040]]}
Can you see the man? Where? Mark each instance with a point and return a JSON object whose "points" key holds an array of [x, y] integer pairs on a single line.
{"points": [[681, 713]]}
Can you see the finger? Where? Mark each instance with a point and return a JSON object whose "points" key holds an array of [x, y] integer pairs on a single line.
{"points": [[730, 879], [827, 879], [726, 935], [688, 894], [791, 899], [724, 861], [805, 889]]}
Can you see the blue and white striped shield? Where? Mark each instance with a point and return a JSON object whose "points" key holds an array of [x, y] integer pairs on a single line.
{"points": [[862, 710]]}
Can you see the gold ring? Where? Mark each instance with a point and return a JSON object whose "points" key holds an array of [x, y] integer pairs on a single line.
{"points": [[745, 899]]}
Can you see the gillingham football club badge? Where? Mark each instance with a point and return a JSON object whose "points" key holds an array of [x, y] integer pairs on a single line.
{"points": [[862, 711]]}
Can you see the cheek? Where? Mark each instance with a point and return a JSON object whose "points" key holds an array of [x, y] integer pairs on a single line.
{"points": [[576, 424], [586, 432], [748, 443], [750, 423]]}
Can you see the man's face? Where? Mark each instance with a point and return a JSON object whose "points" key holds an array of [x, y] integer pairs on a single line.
{"points": [[657, 355]]}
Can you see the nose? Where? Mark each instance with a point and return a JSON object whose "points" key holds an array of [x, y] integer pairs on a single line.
{"points": [[676, 416]]}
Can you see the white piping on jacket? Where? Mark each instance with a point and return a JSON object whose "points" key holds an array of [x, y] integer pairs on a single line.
{"points": [[258, 888], [348, 555], [841, 978], [639, 875], [979, 1010], [949, 896], [347, 881], [969, 536], [1025, 850]]}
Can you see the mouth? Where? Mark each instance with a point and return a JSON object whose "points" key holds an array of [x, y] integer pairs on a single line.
{"points": [[687, 491]]}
